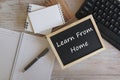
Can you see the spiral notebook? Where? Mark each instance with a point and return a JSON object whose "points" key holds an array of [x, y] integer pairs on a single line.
{"points": [[17, 50], [31, 8], [44, 20]]}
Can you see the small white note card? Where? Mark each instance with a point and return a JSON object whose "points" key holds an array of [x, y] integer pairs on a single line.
{"points": [[45, 19]]}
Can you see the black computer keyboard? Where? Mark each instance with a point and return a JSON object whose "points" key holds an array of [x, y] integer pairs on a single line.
{"points": [[107, 16]]}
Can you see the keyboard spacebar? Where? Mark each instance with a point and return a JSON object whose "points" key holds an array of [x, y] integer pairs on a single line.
{"points": [[109, 35]]}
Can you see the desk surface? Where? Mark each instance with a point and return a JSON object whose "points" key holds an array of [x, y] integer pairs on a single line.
{"points": [[103, 66]]}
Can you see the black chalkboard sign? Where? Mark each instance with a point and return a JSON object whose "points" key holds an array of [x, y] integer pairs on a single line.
{"points": [[76, 41]]}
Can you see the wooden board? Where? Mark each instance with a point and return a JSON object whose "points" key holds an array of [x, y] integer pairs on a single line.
{"points": [[103, 66], [76, 42]]}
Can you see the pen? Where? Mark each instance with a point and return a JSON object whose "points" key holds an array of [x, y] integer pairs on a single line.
{"points": [[34, 60]]}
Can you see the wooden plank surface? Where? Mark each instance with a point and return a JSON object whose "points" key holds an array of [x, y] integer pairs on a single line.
{"points": [[103, 66]]}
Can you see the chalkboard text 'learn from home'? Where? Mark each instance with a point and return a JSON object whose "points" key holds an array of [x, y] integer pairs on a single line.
{"points": [[76, 42], [77, 35]]}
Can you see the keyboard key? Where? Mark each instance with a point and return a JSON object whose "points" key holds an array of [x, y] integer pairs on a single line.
{"points": [[118, 19], [108, 18], [107, 4], [104, 15], [106, 9], [93, 1], [89, 4], [118, 33], [112, 21], [116, 10], [86, 9], [119, 5], [114, 16], [111, 0], [96, 9], [83, 12], [112, 7], [111, 27], [110, 12], [103, 1], [117, 24], [98, 3], [99, 18], [119, 27], [119, 13], [116, 2], [100, 12], [102, 6], [107, 24], [103, 21], [95, 14], [115, 30]]}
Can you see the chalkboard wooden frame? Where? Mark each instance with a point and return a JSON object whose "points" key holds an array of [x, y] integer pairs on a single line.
{"points": [[67, 27]]}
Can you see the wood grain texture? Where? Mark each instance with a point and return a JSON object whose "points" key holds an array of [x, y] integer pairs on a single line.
{"points": [[103, 66]]}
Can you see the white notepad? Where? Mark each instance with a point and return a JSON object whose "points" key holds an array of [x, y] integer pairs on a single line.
{"points": [[31, 8], [17, 50], [8, 45], [31, 46], [45, 19]]}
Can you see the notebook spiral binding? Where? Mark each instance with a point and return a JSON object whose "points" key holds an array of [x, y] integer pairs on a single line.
{"points": [[26, 25], [28, 11], [29, 8]]}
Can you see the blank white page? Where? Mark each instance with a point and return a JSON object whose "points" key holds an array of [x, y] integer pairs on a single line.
{"points": [[32, 7], [31, 46], [8, 46], [45, 19]]}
